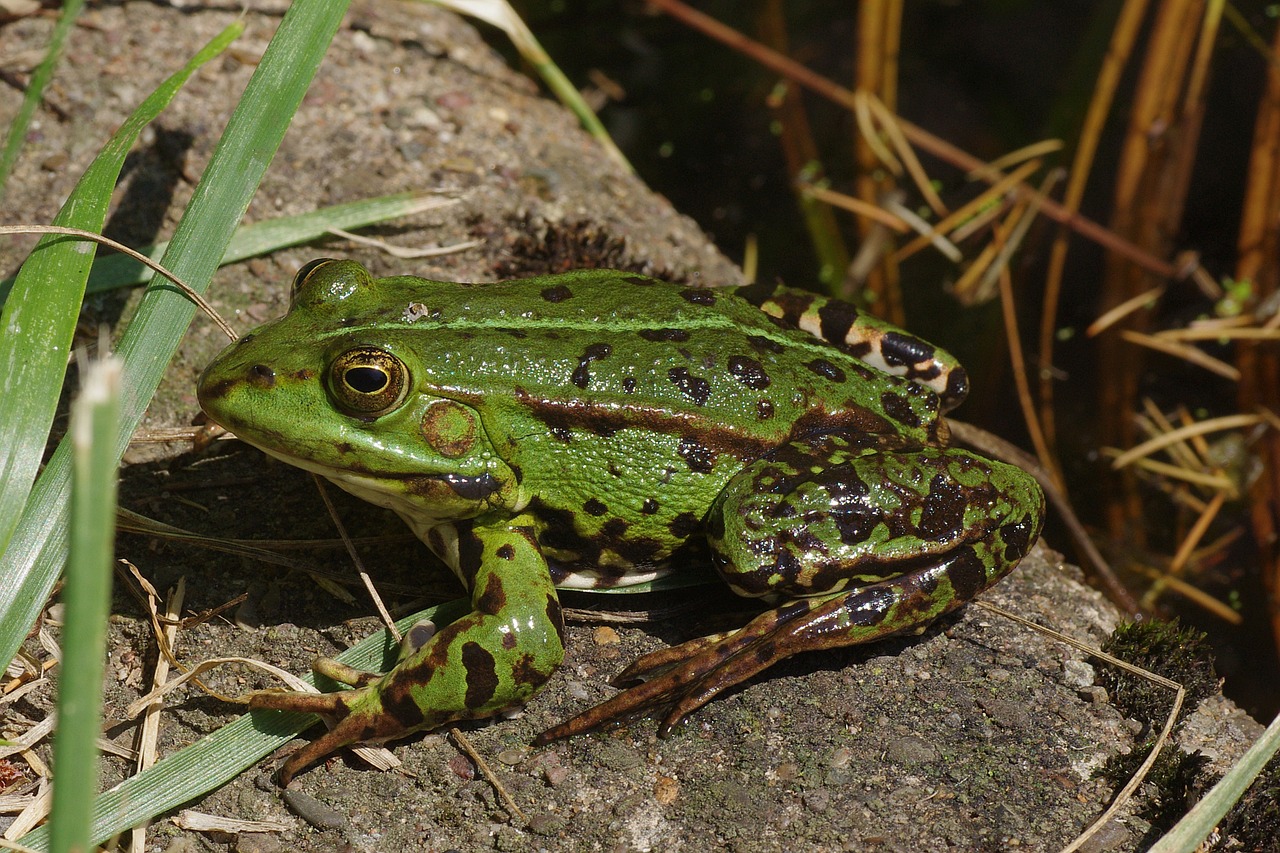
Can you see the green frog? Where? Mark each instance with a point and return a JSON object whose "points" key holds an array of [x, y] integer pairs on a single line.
{"points": [[600, 429]]}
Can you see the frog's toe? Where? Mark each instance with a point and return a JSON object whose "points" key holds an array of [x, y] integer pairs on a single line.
{"points": [[354, 724], [680, 680]]}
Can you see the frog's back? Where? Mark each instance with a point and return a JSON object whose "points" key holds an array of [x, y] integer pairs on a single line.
{"points": [[604, 350]]}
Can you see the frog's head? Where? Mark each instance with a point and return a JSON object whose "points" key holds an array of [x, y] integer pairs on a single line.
{"points": [[332, 388]]}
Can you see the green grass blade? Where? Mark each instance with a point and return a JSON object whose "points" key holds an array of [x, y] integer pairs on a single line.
{"points": [[35, 89], [221, 755], [1195, 826], [37, 552], [271, 234], [40, 316], [87, 597], [262, 237]]}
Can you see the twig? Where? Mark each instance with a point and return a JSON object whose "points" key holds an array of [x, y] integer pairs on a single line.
{"points": [[465, 745]]}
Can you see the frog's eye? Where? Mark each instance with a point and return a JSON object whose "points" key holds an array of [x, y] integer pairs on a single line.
{"points": [[368, 382], [304, 275]]}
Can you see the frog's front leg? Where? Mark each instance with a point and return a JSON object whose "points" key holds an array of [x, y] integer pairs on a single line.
{"points": [[493, 659], [860, 542]]}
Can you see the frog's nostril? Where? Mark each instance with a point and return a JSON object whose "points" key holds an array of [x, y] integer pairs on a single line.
{"points": [[262, 376]]}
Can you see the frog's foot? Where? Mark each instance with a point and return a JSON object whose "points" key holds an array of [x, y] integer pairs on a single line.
{"points": [[353, 716]]}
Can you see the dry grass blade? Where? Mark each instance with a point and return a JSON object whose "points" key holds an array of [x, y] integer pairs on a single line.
{"points": [[1201, 333], [95, 237], [857, 206], [1188, 475], [888, 122], [404, 252], [1187, 353], [1034, 151], [921, 226], [1109, 318], [990, 200], [355, 558], [1146, 448]]}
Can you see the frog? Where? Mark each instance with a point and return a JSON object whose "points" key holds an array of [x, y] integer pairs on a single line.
{"points": [[603, 429]]}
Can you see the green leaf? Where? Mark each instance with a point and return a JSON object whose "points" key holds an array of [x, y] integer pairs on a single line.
{"points": [[38, 321], [87, 597]]}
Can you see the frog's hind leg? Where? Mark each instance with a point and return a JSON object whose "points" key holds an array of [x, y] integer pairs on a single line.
{"points": [[869, 339], [865, 543]]}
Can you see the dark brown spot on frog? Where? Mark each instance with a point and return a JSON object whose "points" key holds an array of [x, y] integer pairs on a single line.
{"points": [[509, 641], [562, 433], [629, 384], [899, 350], [749, 372], [1017, 538], [470, 552], [760, 343], [555, 614], [344, 448], [516, 333], [614, 471], [826, 369], [942, 514], [649, 507], [835, 319], [695, 388], [764, 410], [966, 572], [614, 529], [558, 293], [524, 670], [700, 458], [582, 373], [505, 552], [957, 387], [493, 598], [482, 674], [676, 336], [594, 507], [639, 280], [435, 540], [699, 296], [899, 408], [684, 525], [262, 376]]}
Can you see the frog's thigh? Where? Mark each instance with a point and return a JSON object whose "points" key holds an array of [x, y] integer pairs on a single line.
{"points": [[829, 513]]}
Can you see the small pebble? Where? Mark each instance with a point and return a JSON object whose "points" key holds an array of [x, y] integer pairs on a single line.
{"points": [[666, 790], [313, 811], [257, 842]]}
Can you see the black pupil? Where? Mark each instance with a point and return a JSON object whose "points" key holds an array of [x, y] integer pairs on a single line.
{"points": [[367, 380]]}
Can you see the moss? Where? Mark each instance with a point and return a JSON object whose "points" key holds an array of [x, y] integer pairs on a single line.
{"points": [[1177, 779], [1165, 648], [559, 247]]}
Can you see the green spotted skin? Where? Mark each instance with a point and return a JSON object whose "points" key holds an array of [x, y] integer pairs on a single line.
{"points": [[600, 429]]}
